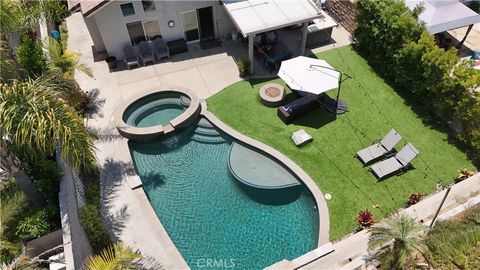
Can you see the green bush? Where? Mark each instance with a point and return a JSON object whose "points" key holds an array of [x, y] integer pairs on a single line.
{"points": [[90, 217], [382, 29], [34, 225], [31, 57]]}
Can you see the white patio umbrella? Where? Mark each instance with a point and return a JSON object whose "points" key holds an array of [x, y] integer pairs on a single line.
{"points": [[311, 75]]}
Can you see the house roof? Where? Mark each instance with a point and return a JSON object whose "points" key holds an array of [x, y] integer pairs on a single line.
{"points": [[444, 15], [87, 6], [257, 16]]}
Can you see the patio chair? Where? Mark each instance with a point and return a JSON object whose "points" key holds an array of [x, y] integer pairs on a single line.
{"points": [[160, 48], [131, 59], [396, 164], [380, 148], [146, 53]]}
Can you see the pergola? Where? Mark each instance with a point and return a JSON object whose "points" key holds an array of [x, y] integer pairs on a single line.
{"points": [[252, 17], [443, 15]]}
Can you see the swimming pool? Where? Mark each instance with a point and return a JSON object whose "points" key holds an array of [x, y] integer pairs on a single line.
{"points": [[156, 109], [209, 215]]}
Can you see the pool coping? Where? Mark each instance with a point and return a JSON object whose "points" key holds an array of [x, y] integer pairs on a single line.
{"points": [[150, 133]]}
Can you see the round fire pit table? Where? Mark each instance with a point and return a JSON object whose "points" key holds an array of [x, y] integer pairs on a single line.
{"points": [[272, 94]]}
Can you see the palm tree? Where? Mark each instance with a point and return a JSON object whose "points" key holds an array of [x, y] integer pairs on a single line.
{"points": [[397, 237], [36, 117], [116, 257]]}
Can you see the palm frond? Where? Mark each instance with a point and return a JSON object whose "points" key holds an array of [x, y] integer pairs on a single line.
{"points": [[34, 117], [116, 257]]}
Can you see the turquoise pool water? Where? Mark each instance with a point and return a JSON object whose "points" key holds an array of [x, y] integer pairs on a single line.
{"points": [[208, 214], [156, 109]]}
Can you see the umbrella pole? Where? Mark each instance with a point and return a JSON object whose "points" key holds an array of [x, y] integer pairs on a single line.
{"points": [[339, 86]]}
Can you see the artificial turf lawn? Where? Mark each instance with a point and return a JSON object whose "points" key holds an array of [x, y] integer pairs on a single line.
{"points": [[329, 159]]}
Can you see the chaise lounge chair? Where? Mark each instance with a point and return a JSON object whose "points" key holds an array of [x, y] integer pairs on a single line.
{"points": [[380, 148], [146, 53], [160, 48], [398, 163], [131, 59]]}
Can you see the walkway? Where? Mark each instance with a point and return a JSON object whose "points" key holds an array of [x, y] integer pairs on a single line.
{"points": [[354, 247]]}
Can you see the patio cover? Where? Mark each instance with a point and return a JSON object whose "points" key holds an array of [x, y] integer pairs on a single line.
{"points": [[258, 16], [444, 15]]}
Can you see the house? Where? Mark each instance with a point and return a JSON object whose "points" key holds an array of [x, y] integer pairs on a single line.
{"points": [[114, 24]]}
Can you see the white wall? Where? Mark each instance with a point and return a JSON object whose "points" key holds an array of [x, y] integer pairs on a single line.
{"points": [[112, 25]]}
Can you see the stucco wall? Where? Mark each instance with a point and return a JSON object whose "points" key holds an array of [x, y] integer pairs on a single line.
{"points": [[95, 33], [112, 25], [75, 242]]}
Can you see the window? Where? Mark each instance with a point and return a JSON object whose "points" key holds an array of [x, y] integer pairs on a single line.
{"points": [[148, 5], [127, 9], [136, 33], [143, 31], [152, 29], [190, 25]]}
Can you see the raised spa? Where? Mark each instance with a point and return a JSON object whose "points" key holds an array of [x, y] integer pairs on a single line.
{"points": [[156, 109]]}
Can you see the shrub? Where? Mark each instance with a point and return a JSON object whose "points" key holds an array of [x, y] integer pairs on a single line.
{"points": [[365, 218], [454, 244], [243, 66], [31, 57], [93, 226], [36, 224], [90, 216], [382, 29], [414, 198], [463, 174]]}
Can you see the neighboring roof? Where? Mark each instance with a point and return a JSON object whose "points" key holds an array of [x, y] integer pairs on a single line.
{"points": [[257, 16], [444, 15], [87, 6]]}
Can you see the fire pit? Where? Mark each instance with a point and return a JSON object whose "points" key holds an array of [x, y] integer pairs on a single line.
{"points": [[272, 94]]}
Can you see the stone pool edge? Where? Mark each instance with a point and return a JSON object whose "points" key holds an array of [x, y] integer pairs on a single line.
{"points": [[324, 222], [154, 132]]}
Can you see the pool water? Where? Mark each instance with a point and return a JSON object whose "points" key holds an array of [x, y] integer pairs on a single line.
{"points": [[208, 214], [156, 109]]}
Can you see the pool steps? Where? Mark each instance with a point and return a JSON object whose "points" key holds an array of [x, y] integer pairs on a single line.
{"points": [[206, 133]]}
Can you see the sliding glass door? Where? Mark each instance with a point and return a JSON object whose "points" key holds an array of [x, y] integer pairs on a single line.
{"points": [[190, 25]]}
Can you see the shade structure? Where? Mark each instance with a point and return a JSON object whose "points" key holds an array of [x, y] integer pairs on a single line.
{"points": [[444, 15], [309, 75]]}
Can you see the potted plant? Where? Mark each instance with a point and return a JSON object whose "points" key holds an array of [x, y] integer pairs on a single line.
{"points": [[463, 174], [111, 62], [243, 66]]}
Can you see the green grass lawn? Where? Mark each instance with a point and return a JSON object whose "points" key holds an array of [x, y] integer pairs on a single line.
{"points": [[329, 159]]}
